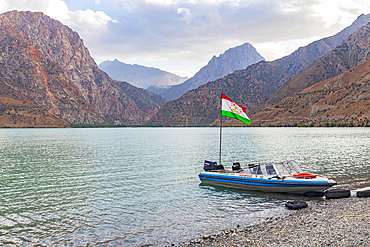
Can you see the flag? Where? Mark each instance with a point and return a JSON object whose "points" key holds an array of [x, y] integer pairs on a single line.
{"points": [[231, 109]]}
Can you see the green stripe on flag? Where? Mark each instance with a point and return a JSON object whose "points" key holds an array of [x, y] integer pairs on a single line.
{"points": [[236, 116]]}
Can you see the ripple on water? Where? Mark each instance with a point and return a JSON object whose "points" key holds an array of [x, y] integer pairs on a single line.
{"points": [[134, 186]]}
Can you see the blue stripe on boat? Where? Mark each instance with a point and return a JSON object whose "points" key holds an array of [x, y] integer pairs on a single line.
{"points": [[260, 182]]}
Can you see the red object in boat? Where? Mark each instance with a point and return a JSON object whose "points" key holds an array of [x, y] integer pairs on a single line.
{"points": [[304, 175]]}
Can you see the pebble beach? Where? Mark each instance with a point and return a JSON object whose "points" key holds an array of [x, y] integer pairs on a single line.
{"points": [[326, 222]]}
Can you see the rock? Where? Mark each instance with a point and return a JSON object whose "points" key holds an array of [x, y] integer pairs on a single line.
{"points": [[48, 64]]}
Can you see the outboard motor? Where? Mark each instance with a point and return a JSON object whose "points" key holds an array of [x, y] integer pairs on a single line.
{"points": [[220, 167], [236, 166], [209, 165], [212, 166]]}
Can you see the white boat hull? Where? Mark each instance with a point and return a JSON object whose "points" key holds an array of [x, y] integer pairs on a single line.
{"points": [[266, 183]]}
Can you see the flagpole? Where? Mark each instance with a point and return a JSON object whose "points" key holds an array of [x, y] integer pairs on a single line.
{"points": [[220, 128]]}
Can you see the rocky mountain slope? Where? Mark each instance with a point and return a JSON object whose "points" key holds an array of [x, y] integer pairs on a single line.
{"points": [[249, 87], [290, 104], [158, 89], [47, 63], [140, 76], [340, 101], [352, 52], [236, 58], [17, 110]]}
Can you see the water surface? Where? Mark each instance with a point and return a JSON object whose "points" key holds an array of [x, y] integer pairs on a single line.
{"points": [[135, 186]]}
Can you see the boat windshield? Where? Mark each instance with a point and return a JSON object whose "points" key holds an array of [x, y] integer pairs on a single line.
{"points": [[261, 169], [282, 169], [269, 169], [287, 168], [295, 166]]}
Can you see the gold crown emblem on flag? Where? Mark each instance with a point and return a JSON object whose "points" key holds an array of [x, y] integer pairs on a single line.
{"points": [[234, 108]]}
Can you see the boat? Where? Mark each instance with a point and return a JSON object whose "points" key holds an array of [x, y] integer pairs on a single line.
{"points": [[286, 177]]}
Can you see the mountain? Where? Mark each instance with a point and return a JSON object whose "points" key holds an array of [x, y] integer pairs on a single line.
{"points": [[158, 89], [140, 76], [339, 101], [47, 63], [250, 87], [233, 59], [330, 89], [18, 111], [353, 51]]}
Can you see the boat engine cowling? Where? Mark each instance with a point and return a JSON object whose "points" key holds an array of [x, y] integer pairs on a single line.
{"points": [[210, 165], [236, 166]]}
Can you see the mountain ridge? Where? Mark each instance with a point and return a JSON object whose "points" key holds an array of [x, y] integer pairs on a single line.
{"points": [[337, 67], [249, 87], [48, 64], [139, 75], [233, 59], [339, 101], [347, 55]]}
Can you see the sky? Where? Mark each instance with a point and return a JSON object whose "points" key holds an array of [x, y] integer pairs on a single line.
{"points": [[181, 36]]}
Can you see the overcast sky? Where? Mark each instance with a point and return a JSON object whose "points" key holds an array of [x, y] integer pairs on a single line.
{"points": [[181, 36]]}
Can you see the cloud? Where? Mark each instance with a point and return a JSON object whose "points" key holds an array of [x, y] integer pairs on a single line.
{"points": [[88, 23], [198, 29], [57, 9], [185, 13], [89, 20], [195, 30]]}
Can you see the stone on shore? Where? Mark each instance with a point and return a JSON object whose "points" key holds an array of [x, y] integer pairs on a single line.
{"points": [[338, 222]]}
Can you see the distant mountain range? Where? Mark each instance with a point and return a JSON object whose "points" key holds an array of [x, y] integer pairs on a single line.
{"points": [[233, 59], [253, 86], [155, 80], [334, 88], [49, 79]]}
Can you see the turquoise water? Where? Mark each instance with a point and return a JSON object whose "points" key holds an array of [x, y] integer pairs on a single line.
{"points": [[136, 186]]}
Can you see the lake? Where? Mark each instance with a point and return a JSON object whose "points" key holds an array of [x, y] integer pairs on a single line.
{"points": [[136, 186]]}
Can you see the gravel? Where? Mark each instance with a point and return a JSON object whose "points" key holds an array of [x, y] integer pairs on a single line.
{"points": [[334, 222]]}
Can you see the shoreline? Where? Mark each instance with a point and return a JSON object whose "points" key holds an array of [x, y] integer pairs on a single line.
{"points": [[92, 126], [335, 222]]}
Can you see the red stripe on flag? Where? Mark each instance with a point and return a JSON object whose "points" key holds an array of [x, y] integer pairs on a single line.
{"points": [[227, 98]]}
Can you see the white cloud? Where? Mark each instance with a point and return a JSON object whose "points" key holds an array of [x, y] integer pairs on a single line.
{"points": [[198, 29], [56, 9], [89, 19], [340, 11], [280, 49], [185, 13], [161, 2], [194, 30], [89, 24]]}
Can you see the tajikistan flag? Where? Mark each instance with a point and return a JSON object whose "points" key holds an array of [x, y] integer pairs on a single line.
{"points": [[231, 109]]}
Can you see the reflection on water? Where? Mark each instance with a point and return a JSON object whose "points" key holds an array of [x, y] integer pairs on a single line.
{"points": [[135, 186]]}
